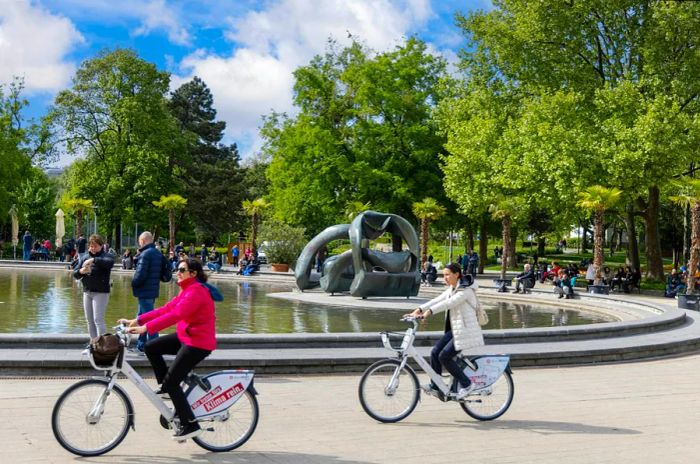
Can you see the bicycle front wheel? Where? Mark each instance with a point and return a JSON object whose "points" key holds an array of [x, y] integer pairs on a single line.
{"points": [[491, 402], [232, 428], [89, 421], [389, 392]]}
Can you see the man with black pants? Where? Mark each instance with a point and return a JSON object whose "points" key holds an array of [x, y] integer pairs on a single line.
{"points": [[146, 282]]}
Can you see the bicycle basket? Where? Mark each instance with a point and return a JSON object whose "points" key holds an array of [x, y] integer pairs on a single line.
{"points": [[105, 349]]}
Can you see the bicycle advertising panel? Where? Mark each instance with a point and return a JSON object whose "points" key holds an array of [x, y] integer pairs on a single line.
{"points": [[489, 369], [226, 388]]}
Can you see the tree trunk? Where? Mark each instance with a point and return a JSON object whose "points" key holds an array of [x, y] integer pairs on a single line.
{"points": [[540, 246], [512, 257], [598, 246], [254, 233], [687, 234], [424, 241], [470, 238], [695, 247], [78, 223], [118, 236], [632, 247], [171, 231], [584, 238], [483, 246], [655, 265], [506, 245]]}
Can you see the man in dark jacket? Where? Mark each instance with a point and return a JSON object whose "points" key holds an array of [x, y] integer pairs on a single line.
{"points": [[525, 279], [81, 244], [146, 282]]}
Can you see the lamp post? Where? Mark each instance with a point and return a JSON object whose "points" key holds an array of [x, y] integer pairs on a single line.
{"points": [[94, 211]]}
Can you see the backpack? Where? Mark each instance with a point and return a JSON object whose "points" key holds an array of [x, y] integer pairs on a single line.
{"points": [[166, 275]]}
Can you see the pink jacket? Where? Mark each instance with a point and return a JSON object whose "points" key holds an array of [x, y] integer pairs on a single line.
{"points": [[193, 311]]}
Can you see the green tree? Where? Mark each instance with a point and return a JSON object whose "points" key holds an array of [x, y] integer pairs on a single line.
{"points": [[363, 125], [689, 196], [209, 170], [598, 199], [504, 210], [78, 207], [115, 115], [255, 209], [426, 210], [171, 204], [629, 63], [36, 200]]}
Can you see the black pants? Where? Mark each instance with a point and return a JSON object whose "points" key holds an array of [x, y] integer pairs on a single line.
{"points": [[443, 354], [186, 357]]}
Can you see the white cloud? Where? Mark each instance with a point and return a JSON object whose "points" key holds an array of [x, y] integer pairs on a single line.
{"points": [[34, 44], [157, 15], [268, 45]]}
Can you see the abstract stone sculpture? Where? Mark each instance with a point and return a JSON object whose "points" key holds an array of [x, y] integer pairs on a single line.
{"points": [[362, 271]]}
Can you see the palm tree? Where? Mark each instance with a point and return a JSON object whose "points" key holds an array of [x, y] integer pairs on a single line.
{"points": [[503, 209], [254, 209], [426, 210], [689, 196], [171, 203], [78, 206], [598, 199]]}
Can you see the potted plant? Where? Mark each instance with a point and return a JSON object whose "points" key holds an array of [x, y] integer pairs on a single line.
{"points": [[598, 199], [689, 196], [282, 243]]}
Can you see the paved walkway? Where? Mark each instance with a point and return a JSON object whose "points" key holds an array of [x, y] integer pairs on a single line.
{"points": [[615, 413]]}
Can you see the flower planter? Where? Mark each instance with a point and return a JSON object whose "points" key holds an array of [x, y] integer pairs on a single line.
{"points": [[691, 301], [276, 267], [599, 289]]}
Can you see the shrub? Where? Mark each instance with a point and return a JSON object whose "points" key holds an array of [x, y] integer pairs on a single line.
{"points": [[283, 243]]}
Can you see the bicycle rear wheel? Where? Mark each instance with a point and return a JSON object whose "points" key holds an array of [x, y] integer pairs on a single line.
{"points": [[384, 401], [491, 402], [230, 429], [87, 421]]}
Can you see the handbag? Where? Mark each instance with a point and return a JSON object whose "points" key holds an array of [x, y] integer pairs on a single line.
{"points": [[105, 349], [481, 316]]}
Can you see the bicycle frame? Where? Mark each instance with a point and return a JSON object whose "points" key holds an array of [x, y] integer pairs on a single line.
{"points": [[407, 351]]}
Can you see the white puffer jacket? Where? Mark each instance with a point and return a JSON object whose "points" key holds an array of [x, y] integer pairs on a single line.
{"points": [[462, 305]]}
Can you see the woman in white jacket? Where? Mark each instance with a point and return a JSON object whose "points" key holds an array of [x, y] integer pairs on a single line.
{"points": [[462, 330]]}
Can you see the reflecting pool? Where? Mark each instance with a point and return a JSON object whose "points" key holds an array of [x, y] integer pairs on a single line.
{"points": [[48, 301]]}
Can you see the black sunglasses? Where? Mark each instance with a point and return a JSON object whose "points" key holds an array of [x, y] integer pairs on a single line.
{"points": [[182, 270]]}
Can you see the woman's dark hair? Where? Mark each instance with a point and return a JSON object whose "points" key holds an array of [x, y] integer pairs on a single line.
{"points": [[193, 264], [454, 268]]}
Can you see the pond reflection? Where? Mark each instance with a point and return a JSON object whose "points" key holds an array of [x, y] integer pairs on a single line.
{"points": [[47, 301]]}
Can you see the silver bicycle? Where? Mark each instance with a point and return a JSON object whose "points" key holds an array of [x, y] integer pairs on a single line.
{"points": [[94, 415], [389, 390]]}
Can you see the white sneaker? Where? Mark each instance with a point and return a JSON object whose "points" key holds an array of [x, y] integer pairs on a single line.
{"points": [[463, 392], [85, 352]]}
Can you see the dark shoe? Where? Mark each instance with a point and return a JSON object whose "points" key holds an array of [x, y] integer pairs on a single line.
{"points": [[516, 291], [188, 431], [560, 295]]}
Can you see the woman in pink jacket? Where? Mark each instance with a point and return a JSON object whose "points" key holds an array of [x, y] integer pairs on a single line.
{"points": [[193, 312]]}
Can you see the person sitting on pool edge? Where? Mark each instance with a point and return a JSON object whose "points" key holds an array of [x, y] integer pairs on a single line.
{"points": [[462, 329]]}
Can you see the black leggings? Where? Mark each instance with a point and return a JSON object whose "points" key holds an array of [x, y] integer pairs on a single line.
{"points": [[187, 357]]}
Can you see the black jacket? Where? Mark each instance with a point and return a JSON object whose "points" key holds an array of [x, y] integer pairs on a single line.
{"points": [[98, 280]]}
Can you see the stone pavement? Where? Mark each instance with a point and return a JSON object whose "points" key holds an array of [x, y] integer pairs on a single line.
{"points": [[614, 413]]}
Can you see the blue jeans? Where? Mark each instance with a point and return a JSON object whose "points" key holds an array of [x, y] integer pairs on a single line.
{"points": [[443, 354], [214, 266], [26, 254], [145, 305]]}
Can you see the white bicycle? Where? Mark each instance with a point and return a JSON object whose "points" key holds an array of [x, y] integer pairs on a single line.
{"points": [[389, 389], [94, 415]]}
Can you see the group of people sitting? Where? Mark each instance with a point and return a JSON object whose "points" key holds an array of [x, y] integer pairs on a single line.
{"points": [[563, 280]]}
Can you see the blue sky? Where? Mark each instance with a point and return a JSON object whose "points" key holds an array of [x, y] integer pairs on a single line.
{"points": [[244, 50]]}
